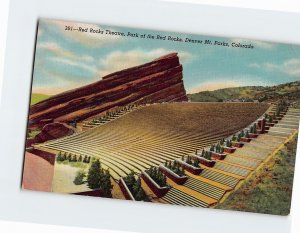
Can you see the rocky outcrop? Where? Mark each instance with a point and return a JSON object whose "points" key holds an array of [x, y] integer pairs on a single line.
{"points": [[52, 131], [156, 81]]}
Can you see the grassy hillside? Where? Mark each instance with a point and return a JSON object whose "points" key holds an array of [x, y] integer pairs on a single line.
{"points": [[249, 93], [269, 189], [36, 97]]}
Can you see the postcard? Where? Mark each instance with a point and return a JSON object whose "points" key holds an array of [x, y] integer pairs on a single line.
{"points": [[163, 117]]}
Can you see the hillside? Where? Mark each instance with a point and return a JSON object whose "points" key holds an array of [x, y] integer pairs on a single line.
{"points": [[36, 98], [289, 91], [157, 81]]}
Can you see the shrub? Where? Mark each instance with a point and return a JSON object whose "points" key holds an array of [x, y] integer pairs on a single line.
{"points": [[234, 138], [135, 187], [59, 157], [228, 143], [270, 119], [176, 168], [247, 134], [79, 178], [157, 176], [207, 155]]}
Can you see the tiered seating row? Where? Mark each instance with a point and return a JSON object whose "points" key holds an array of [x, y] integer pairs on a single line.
{"points": [[177, 197], [204, 188], [220, 178]]}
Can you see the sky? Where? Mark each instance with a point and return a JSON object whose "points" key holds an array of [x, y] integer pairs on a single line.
{"points": [[66, 59]]}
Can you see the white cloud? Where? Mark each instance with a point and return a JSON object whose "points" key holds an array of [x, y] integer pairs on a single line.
{"points": [[55, 49], [259, 44], [87, 39], [290, 67], [63, 56], [69, 62], [119, 60]]}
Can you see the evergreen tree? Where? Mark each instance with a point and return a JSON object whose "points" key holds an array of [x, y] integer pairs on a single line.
{"points": [[212, 148], [203, 153], [69, 157], [228, 143], [247, 134], [270, 119], [242, 134], [130, 180], [222, 150], [222, 141], [74, 159], [59, 157], [80, 158], [84, 159], [234, 138], [139, 193], [64, 156], [251, 129], [254, 128], [94, 175], [196, 163], [105, 184]]}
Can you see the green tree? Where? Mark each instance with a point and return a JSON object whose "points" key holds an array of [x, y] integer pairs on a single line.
{"points": [[130, 180], [105, 184], [94, 175]]}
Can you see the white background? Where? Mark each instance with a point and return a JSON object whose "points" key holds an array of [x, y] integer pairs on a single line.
{"points": [[266, 222]]}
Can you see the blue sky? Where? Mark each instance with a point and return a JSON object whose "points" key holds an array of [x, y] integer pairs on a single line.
{"points": [[68, 59]]}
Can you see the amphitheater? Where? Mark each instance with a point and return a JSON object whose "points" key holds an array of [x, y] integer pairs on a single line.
{"points": [[149, 135]]}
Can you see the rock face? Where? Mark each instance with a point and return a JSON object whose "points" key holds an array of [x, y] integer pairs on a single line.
{"points": [[157, 81], [53, 131]]}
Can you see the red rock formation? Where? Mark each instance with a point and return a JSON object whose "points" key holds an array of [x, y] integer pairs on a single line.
{"points": [[52, 131], [156, 81]]}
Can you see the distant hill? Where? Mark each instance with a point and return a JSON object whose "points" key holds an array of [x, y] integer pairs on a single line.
{"points": [[36, 98], [249, 94]]}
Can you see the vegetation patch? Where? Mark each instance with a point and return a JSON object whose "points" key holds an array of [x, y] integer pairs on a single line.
{"points": [[269, 189], [288, 91], [175, 167], [157, 176], [36, 98], [78, 161], [135, 187]]}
